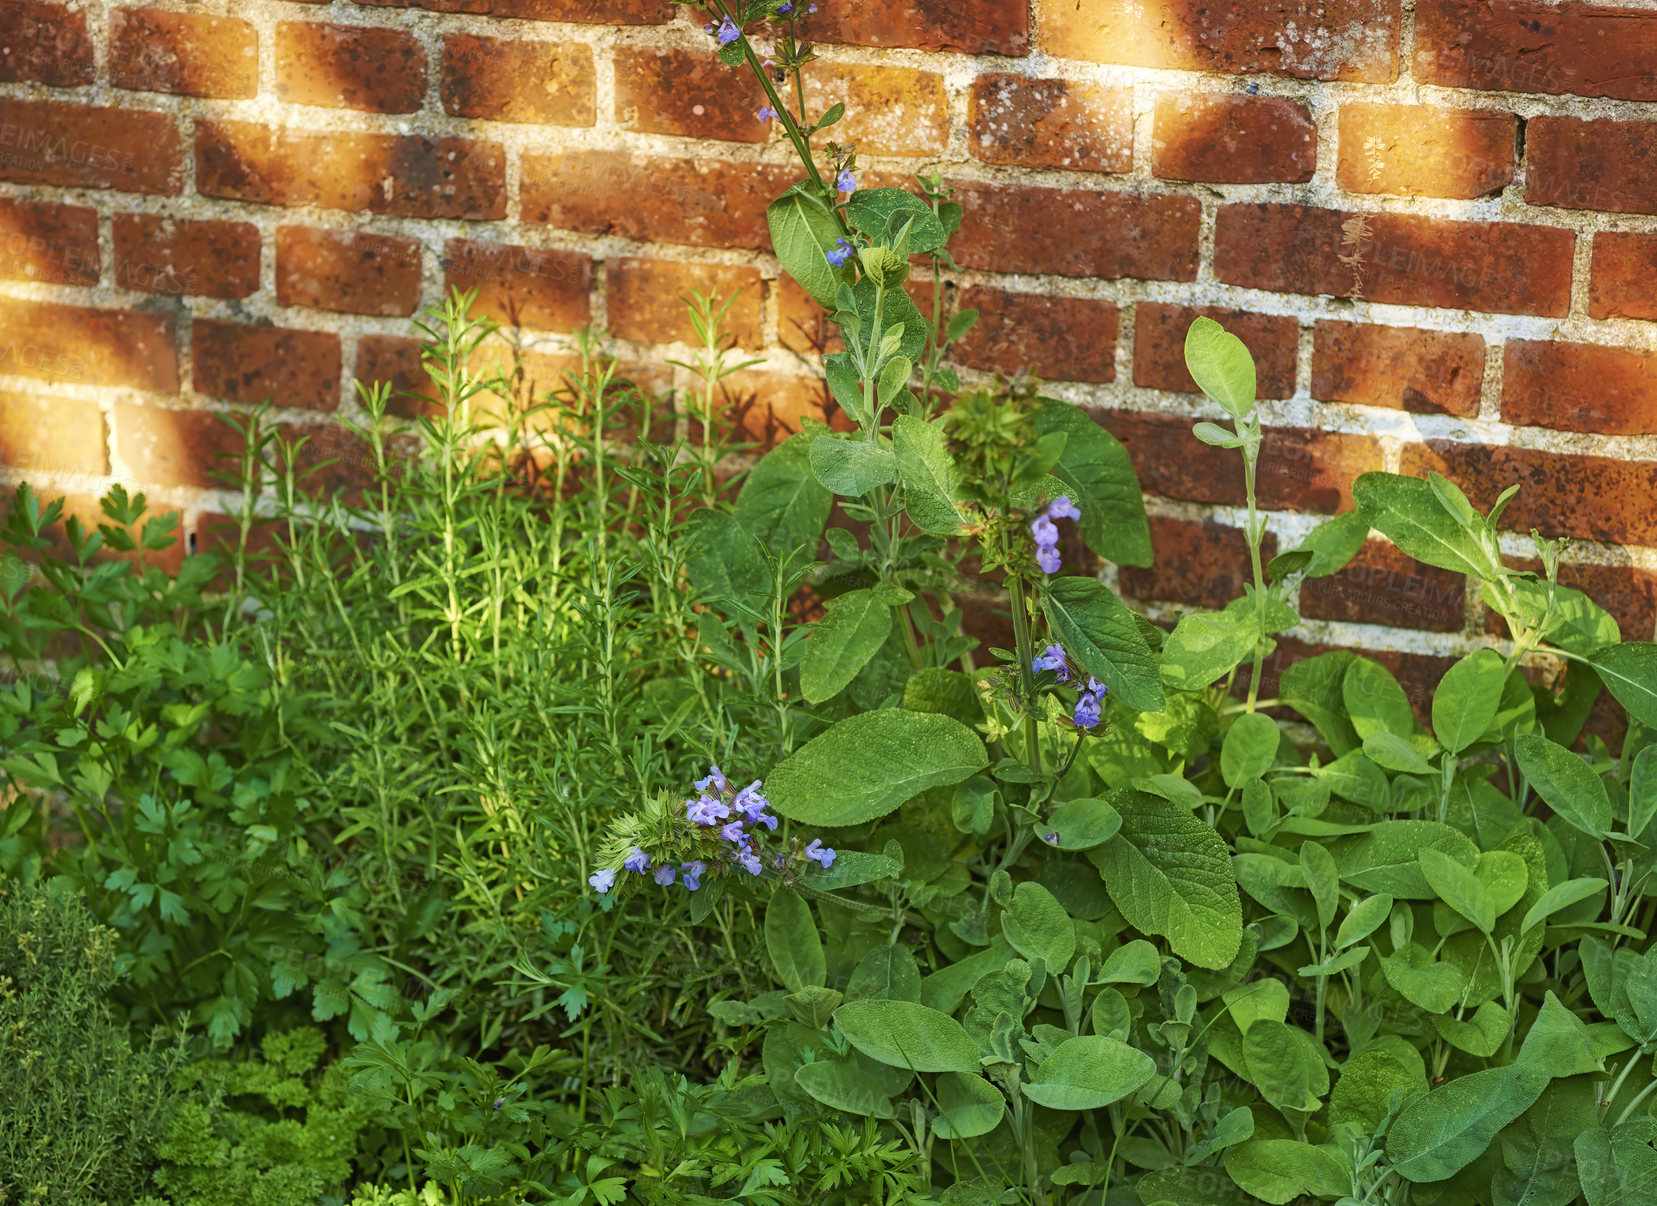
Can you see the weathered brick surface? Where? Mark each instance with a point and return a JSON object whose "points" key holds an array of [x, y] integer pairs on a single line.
{"points": [[185, 256], [1384, 586], [1014, 119], [521, 286], [1425, 150], [1623, 271], [890, 110], [175, 447], [85, 146], [547, 83], [1201, 564], [351, 271], [153, 50], [802, 325], [1403, 368], [1535, 46], [1056, 338], [397, 362], [1159, 346], [1303, 469], [1601, 164], [1233, 139], [973, 26], [350, 67], [1579, 387], [1074, 232], [404, 175], [1494, 267], [1303, 39], [1172, 462], [645, 299], [46, 436], [688, 93], [44, 44], [77, 345], [244, 363], [44, 241]]}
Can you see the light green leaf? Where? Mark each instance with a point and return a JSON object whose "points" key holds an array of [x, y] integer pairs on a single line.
{"points": [[872, 210], [1391, 752], [840, 1085], [903, 1034], [1375, 701], [889, 973], [1088, 1073], [1101, 635], [723, 558], [1038, 927], [1285, 1064], [1480, 1036], [1629, 671], [867, 765], [1386, 858], [1133, 962], [1099, 473], [1407, 512], [1082, 824], [852, 630], [1280, 1170], [1169, 874], [1642, 792], [1561, 896], [1205, 646], [853, 867], [1457, 886], [1266, 999], [1436, 1136], [851, 466], [782, 504], [1434, 987], [1332, 544], [1566, 783], [1466, 699], [792, 942], [1362, 920], [1313, 687], [802, 235], [930, 476], [1221, 365], [1250, 748], [969, 1106]]}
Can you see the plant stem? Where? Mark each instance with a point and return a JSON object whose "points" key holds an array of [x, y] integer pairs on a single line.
{"points": [[1251, 454], [1026, 668]]}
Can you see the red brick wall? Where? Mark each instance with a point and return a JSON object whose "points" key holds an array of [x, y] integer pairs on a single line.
{"points": [[1434, 221]]}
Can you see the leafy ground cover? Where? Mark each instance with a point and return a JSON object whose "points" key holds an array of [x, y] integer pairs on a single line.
{"points": [[586, 811]]}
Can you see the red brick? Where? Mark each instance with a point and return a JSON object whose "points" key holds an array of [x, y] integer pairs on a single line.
{"points": [[803, 325], [1383, 586], [1233, 139], [971, 26], [697, 201], [250, 364], [1425, 150], [88, 347], [766, 408], [687, 92], [1590, 497], [889, 110], [197, 258], [349, 67], [522, 286], [1401, 368], [1302, 39], [1625, 265], [1304, 469], [1172, 462], [1198, 562], [1159, 346], [1055, 338], [1492, 267], [44, 44], [152, 50], [586, 12], [645, 300], [81, 146], [1527, 46], [174, 447], [405, 175], [547, 83], [350, 271], [1014, 119], [42, 241], [1076, 232], [1579, 164], [398, 362], [1579, 387], [49, 436]]}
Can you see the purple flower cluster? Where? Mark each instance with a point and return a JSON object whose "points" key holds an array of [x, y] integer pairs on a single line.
{"points": [[840, 253], [1046, 532], [1090, 704], [1052, 658], [727, 32], [845, 181]]}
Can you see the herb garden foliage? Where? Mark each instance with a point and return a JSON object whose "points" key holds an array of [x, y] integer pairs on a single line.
{"points": [[1075, 922]]}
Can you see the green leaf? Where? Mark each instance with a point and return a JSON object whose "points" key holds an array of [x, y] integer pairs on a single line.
{"points": [[1082, 824], [1629, 671], [853, 867], [1037, 927], [929, 474], [724, 560], [947, 692], [894, 378], [1436, 1136], [1407, 512], [803, 232], [1558, 1043], [1169, 874], [1250, 748], [1466, 699], [852, 466], [852, 630], [1285, 1064], [782, 504], [1133, 962], [1375, 701], [1574, 792], [1386, 858], [1280, 1170], [1642, 792], [867, 765], [1100, 633], [1362, 920], [1392, 752], [792, 942], [1088, 1073], [1102, 483], [896, 309], [1458, 887], [1482, 1036], [1366, 1086], [1561, 896], [1332, 544], [903, 1034], [1221, 366], [1205, 646], [871, 211], [888, 973], [1616, 1165], [968, 1106], [1313, 687], [840, 1085]]}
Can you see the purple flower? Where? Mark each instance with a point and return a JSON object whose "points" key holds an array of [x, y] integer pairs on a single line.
{"points": [[1052, 839], [766, 113], [749, 801], [819, 852], [845, 181], [1063, 508], [1044, 530], [1095, 686], [785, 7], [1088, 708], [840, 253], [664, 875], [749, 861], [1052, 658], [1048, 558], [715, 779], [693, 873], [732, 832], [728, 32], [705, 810], [637, 861], [601, 880]]}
